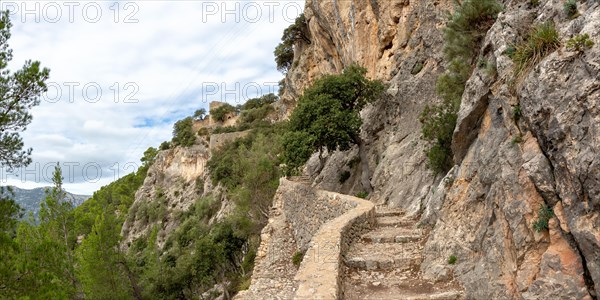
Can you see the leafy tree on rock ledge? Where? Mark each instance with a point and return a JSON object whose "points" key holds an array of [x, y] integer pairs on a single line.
{"points": [[328, 118]]}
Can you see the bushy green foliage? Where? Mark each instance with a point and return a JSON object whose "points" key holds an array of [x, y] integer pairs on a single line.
{"points": [[437, 126], [327, 116], [570, 8], [542, 40], [517, 113], [183, 134], [544, 215], [517, 139], [220, 113], [260, 149], [259, 102], [43, 262], [297, 258], [164, 146], [116, 197], [149, 156], [284, 52], [462, 36], [534, 3], [254, 116], [100, 262], [452, 259], [580, 43], [200, 114], [363, 195], [344, 176], [467, 26], [196, 255]]}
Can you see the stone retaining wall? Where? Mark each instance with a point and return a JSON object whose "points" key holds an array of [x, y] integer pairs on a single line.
{"points": [[304, 219], [319, 276], [218, 140], [308, 209]]}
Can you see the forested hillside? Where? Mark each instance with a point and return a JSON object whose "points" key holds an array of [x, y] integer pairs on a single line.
{"points": [[30, 200]]}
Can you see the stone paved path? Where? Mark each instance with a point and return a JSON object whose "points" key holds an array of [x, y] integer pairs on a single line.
{"points": [[384, 263]]}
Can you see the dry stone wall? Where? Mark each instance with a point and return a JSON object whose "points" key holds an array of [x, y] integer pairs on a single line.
{"points": [[319, 223]]}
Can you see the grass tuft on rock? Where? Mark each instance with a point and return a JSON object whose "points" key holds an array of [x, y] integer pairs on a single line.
{"points": [[542, 40]]}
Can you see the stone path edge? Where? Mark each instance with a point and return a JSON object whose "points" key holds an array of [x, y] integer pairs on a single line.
{"points": [[320, 275]]}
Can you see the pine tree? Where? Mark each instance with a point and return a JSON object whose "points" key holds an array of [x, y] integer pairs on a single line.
{"points": [[19, 92], [100, 261], [44, 263]]}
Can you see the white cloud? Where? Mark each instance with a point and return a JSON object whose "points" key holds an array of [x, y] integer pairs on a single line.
{"points": [[176, 49]]}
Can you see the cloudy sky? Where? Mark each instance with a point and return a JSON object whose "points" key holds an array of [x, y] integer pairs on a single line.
{"points": [[123, 72]]}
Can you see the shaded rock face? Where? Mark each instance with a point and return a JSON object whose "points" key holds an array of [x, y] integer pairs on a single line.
{"points": [[399, 42], [506, 168]]}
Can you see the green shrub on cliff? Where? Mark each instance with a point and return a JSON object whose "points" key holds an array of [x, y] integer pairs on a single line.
{"points": [[580, 43], [570, 8], [284, 52], [463, 33], [183, 134], [327, 118], [544, 215], [541, 41], [220, 113]]}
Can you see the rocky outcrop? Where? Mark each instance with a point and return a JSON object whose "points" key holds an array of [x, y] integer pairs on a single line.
{"points": [[400, 43], [482, 211], [509, 167], [561, 105], [174, 182]]}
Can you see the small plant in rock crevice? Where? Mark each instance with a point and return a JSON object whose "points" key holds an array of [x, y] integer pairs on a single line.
{"points": [[545, 213], [344, 176], [452, 259], [580, 43], [534, 3], [362, 195], [297, 258], [517, 139], [570, 8], [541, 41], [517, 113]]}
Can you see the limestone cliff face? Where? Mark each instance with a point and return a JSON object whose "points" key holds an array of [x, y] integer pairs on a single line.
{"points": [[483, 210], [399, 42], [174, 182]]}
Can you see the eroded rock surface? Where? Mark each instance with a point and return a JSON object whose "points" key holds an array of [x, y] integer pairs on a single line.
{"points": [[483, 211]]}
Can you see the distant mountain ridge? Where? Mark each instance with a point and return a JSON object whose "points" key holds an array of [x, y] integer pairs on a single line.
{"points": [[30, 199]]}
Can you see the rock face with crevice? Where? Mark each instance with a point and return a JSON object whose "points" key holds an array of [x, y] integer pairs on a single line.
{"points": [[507, 167]]}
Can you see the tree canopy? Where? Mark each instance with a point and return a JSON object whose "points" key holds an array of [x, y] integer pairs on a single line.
{"points": [[220, 113], [284, 52], [19, 92], [328, 115], [183, 134]]}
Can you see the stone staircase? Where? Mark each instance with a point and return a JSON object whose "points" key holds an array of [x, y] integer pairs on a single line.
{"points": [[384, 263]]}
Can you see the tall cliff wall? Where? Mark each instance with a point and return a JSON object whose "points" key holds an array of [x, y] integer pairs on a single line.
{"points": [[484, 209]]}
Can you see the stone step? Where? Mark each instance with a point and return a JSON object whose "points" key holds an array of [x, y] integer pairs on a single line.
{"points": [[393, 235], [396, 284], [395, 221], [388, 212], [396, 293], [383, 256], [300, 179]]}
